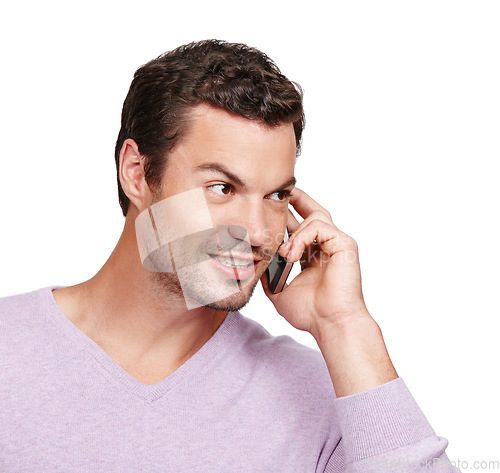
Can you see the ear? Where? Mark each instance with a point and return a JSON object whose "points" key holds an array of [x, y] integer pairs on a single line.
{"points": [[131, 174]]}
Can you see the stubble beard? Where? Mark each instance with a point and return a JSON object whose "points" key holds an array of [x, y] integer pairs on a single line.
{"points": [[167, 286]]}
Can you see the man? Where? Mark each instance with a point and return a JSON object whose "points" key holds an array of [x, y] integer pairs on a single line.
{"points": [[149, 366]]}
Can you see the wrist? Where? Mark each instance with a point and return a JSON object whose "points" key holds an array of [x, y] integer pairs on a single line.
{"points": [[345, 324], [355, 353]]}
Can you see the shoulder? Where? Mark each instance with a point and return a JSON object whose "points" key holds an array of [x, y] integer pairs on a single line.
{"points": [[286, 379], [298, 367], [283, 348], [18, 304], [19, 315]]}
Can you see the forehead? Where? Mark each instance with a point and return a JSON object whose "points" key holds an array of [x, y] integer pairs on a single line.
{"points": [[248, 146]]}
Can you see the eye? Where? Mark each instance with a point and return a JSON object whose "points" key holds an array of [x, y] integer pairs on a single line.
{"points": [[282, 195], [223, 189]]}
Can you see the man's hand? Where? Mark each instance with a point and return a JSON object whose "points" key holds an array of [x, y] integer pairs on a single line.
{"points": [[326, 299], [328, 290]]}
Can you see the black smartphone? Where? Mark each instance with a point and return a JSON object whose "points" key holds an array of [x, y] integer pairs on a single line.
{"points": [[278, 270]]}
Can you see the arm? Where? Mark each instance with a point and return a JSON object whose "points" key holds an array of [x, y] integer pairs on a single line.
{"points": [[384, 431], [382, 428], [355, 354]]}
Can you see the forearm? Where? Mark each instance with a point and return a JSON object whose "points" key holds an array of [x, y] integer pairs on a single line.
{"points": [[383, 430], [355, 354]]}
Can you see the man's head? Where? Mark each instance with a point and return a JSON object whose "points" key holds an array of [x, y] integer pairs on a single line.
{"points": [[220, 118], [234, 77]]}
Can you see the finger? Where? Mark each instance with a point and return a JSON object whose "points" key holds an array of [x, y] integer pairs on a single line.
{"points": [[305, 205], [293, 223], [327, 237], [314, 216]]}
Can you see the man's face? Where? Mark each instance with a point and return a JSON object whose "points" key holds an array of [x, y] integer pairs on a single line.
{"points": [[244, 170]]}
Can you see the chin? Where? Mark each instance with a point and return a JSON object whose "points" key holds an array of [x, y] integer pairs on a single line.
{"points": [[234, 302], [203, 286]]}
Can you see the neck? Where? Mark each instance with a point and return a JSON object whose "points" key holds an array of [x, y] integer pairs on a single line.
{"points": [[124, 309]]}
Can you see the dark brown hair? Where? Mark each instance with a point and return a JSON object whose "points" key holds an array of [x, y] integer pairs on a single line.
{"points": [[232, 76]]}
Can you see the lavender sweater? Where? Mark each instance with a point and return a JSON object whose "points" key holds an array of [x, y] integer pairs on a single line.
{"points": [[247, 401]]}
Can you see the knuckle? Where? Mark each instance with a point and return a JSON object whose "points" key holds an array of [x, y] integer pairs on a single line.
{"points": [[318, 215], [350, 241]]}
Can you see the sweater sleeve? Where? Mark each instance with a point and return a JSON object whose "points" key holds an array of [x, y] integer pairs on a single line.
{"points": [[384, 430]]}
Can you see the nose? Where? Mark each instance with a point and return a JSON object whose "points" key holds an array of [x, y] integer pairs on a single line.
{"points": [[251, 224]]}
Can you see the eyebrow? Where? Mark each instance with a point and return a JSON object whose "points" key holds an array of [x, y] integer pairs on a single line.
{"points": [[220, 168]]}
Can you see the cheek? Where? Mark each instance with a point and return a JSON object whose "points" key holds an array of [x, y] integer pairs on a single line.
{"points": [[277, 232]]}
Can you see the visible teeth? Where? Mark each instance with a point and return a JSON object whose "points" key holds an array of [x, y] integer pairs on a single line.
{"points": [[234, 263]]}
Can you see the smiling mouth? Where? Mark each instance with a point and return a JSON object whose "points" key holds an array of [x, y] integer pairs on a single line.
{"points": [[232, 261]]}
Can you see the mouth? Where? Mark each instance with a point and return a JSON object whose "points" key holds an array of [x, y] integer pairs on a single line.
{"points": [[234, 261], [235, 266]]}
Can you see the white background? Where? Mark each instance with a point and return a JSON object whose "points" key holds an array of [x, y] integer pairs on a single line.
{"points": [[401, 145]]}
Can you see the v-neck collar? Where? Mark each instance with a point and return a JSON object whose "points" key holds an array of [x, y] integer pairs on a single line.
{"points": [[208, 354]]}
